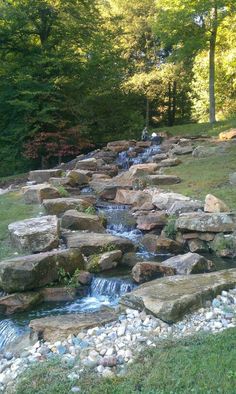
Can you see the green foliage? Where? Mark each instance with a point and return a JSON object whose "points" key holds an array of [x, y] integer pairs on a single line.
{"points": [[62, 191], [90, 210], [66, 279], [170, 227]]}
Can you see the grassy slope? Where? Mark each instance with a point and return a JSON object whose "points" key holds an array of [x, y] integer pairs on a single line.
{"points": [[200, 365], [12, 209]]}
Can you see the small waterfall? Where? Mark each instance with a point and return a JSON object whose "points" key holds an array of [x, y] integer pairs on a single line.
{"points": [[120, 230], [9, 332], [111, 287], [146, 154], [86, 190]]}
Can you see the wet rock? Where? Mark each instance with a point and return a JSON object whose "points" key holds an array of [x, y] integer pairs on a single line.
{"points": [[59, 327], [35, 235], [130, 259], [146, 271], [103, 262], [60, 294], [189, 263], [170, 298], [91, 243], [214, 204], [60, 205], [85, 278], [206, 222], [74, 220], [34, 271], [21, 302], [151, 221], [41, 176], [37, 193]]}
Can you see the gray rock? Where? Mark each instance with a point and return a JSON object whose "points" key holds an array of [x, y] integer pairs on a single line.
{"points": [[75, 220], [37, 193], [207, 222], [189, 263], [41, 176], [60, 205]]}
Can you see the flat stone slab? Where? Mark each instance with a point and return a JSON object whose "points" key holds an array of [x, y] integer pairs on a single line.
{"points": [[54, 328], [41, 176], [58, 206], [75, 220], [19, 302], [91, 243], [35, 194], [207, 222], [163, 179], [172, 297]]}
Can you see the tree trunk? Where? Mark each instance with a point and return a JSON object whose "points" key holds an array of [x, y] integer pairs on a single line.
{"points": [[169, 105], [174, 102], [212, 105], [147, 113]]}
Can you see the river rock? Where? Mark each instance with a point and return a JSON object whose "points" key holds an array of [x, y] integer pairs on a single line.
{"points": [[41, 176], [19, 302], [143, 169], [179, 207], [170, 298], [132, 197], [35, 194], [151, 221], [61, 293], [206, 222], [85, 278], [164, 201], [55, 328], [146, 270], [163, 179], [60, 205], [37, 270], [103, 262], [155, 244], [35, 235], [75, 220], [87, 164], [78, 178], [92, 243], [189, 263], [214, 204], [227, 135]]}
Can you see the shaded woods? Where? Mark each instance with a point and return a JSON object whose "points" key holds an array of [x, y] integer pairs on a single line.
{"points": [[80, 72]]}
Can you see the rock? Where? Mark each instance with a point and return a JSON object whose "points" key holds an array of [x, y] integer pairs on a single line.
{"points": [[189, 263], [169, 162], [120, 146], [232, 179], [60, 205], [78, 178], [164, 201], [206, 222], [61, 294], [14, 303], [202, 236], [182, 150], [130, 259], [41, 176], [107, 188], [227, 135], [35, 235], [152, 220], [146, 270], [197, 246], [143, 169], [132, 197], [155, 244], [163, 179], [85, 278], [206, 151], [170, 298], [159, 157], [214, 204], [37, 270], [74, 220], [37, 193], [103, 262], [87, 164], [224, 245], [179, 207], [54, 328], [57, 182], [92, 243]]}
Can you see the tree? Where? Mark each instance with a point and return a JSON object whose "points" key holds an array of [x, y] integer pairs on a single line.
{"points": [[191, 26]]}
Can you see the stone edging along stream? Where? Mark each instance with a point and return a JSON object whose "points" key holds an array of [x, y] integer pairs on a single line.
{"points": [[108, 349]]}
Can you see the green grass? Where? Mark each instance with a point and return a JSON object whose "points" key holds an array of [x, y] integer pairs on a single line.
{"points": [[201, 176], [12, 209], [197, 129], [200, 365]]}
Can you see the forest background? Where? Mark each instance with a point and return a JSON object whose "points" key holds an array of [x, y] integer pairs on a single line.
{"points": [[75, 74]]}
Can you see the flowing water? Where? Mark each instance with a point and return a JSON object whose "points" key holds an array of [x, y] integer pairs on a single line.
{"points": [[124, 161]]}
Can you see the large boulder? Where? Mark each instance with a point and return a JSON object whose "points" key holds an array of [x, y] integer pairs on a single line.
{"points": [[224, 245], [54, 328], [58, 206], [41, 176], [92, 243], [182, 150], [120, 146], [107, 188], [35, 235], [35, 194], [155, 244], [143, 169], [189, 263], [179, 207], [103, 262], [166, 200], [206, 222], [170, 298], [162, 179], [78, 178], [145, 271], [19, 302], [38, 270], [87, 164], [151, 221], [227, 135], [214, 204], [63, 293], [132, 197], [74, 220], [170, 162], [206, 151]]}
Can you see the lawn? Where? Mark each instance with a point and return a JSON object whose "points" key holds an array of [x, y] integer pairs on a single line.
{"points": [[205, 364], [12, 209]]}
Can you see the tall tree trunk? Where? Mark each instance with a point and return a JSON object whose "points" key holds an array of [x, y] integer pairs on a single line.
{"points": [[147, 112], [212, 105], [169, 105], [174, 102]]}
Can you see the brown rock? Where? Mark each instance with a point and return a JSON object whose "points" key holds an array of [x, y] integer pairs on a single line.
{"points": [[227, 135], [37, 193], [143, 169], [189, 263], [20, 302], [152, 220], [104, 262], [75, 220], [60, 205], [41, 176], [147, 271], [163, 179], [214, 204]]}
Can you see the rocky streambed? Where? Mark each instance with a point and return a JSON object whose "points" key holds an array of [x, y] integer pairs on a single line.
{"points": [[115, 236]]}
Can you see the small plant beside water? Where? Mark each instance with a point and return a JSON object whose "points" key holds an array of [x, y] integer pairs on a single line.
{"points": [[170, 227], [62, 191], [90, 210], [66, 279]]}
